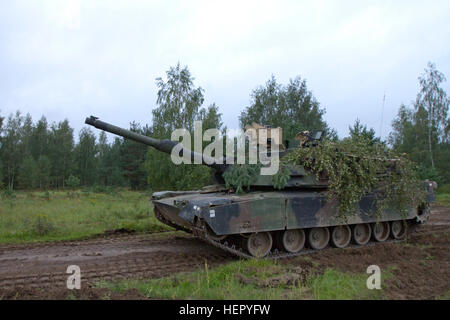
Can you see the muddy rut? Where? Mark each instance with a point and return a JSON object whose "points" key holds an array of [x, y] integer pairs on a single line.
{"points": [[112, 257], [116, 256]]}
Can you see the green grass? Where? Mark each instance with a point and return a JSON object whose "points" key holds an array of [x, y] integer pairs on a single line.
{"points": [[60, 215], [443, 199], [334, 285], [445, 188], [250, 279], [443, 195], [224, 282]]}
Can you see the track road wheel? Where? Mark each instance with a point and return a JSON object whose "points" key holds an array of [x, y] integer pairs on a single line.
{"points": [[259, 244], [293, 240], [341, 236], [398, 229], [381, 231], [318, 238], [361, 233]]}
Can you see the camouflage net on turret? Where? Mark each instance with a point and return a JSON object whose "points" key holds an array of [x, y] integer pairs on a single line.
{"points": [[241, 176], [355, 168]]}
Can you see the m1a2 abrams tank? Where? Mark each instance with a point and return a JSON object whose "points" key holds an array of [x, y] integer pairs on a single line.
{"points": [[266, 222]]}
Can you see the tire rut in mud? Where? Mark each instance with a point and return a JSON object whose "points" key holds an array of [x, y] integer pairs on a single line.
{"points": [[135, 256], [120, 256]]}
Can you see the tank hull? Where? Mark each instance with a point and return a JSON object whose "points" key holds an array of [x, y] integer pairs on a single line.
{"points": [[228, 214]]}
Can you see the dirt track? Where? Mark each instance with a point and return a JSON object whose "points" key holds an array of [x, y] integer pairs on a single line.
{"points": [[420, 267], [113, 257], [39, 270]]}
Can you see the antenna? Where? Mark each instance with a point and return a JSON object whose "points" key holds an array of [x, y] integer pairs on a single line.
{"points": [[382, 111]]}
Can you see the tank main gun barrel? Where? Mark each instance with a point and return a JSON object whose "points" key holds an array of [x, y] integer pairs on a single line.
{"points": [[164, 145], [161, 145]]}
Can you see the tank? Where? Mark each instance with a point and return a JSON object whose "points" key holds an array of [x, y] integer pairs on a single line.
{"points": [[265, 222]]}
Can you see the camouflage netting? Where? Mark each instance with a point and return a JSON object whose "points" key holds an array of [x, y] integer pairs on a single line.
{"points": [[354, 168]]}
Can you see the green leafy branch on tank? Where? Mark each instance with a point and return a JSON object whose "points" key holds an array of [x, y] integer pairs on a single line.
{"points": [[241, 176], [355, 168]]}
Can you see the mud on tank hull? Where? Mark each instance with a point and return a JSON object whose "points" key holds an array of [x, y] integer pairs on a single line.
{"points": [[287, 220]]}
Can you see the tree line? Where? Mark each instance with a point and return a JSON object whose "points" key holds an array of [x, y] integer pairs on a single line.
{"points": [[40, 155], [422, 130]]}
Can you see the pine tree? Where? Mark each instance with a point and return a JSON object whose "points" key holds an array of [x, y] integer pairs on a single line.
{"points": [[85, 157]]}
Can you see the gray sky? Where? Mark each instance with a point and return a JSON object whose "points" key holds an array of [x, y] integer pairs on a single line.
{"points": [[73, 58]]}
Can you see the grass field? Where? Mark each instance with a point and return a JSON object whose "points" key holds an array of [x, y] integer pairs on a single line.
{"points": [[443, 195], [443, 199], [249, 280], [61, 215], [58, 215]]}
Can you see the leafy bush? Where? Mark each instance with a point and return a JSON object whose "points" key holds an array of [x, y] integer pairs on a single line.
{"points": [[47, 195], [430, 174], [9, 193], [110, 190], [42, 225], [86, 191], [73, 182], [98, 189]]}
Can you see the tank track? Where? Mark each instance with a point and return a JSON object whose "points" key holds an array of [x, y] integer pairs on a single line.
{"points": [[199, 230], [276, 254]]}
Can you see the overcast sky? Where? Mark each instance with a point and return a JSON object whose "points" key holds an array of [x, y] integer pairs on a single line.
{"points": [[75, 58]]}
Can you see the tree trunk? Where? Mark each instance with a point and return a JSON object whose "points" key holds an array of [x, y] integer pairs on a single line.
{"points": [[429, 138]]}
